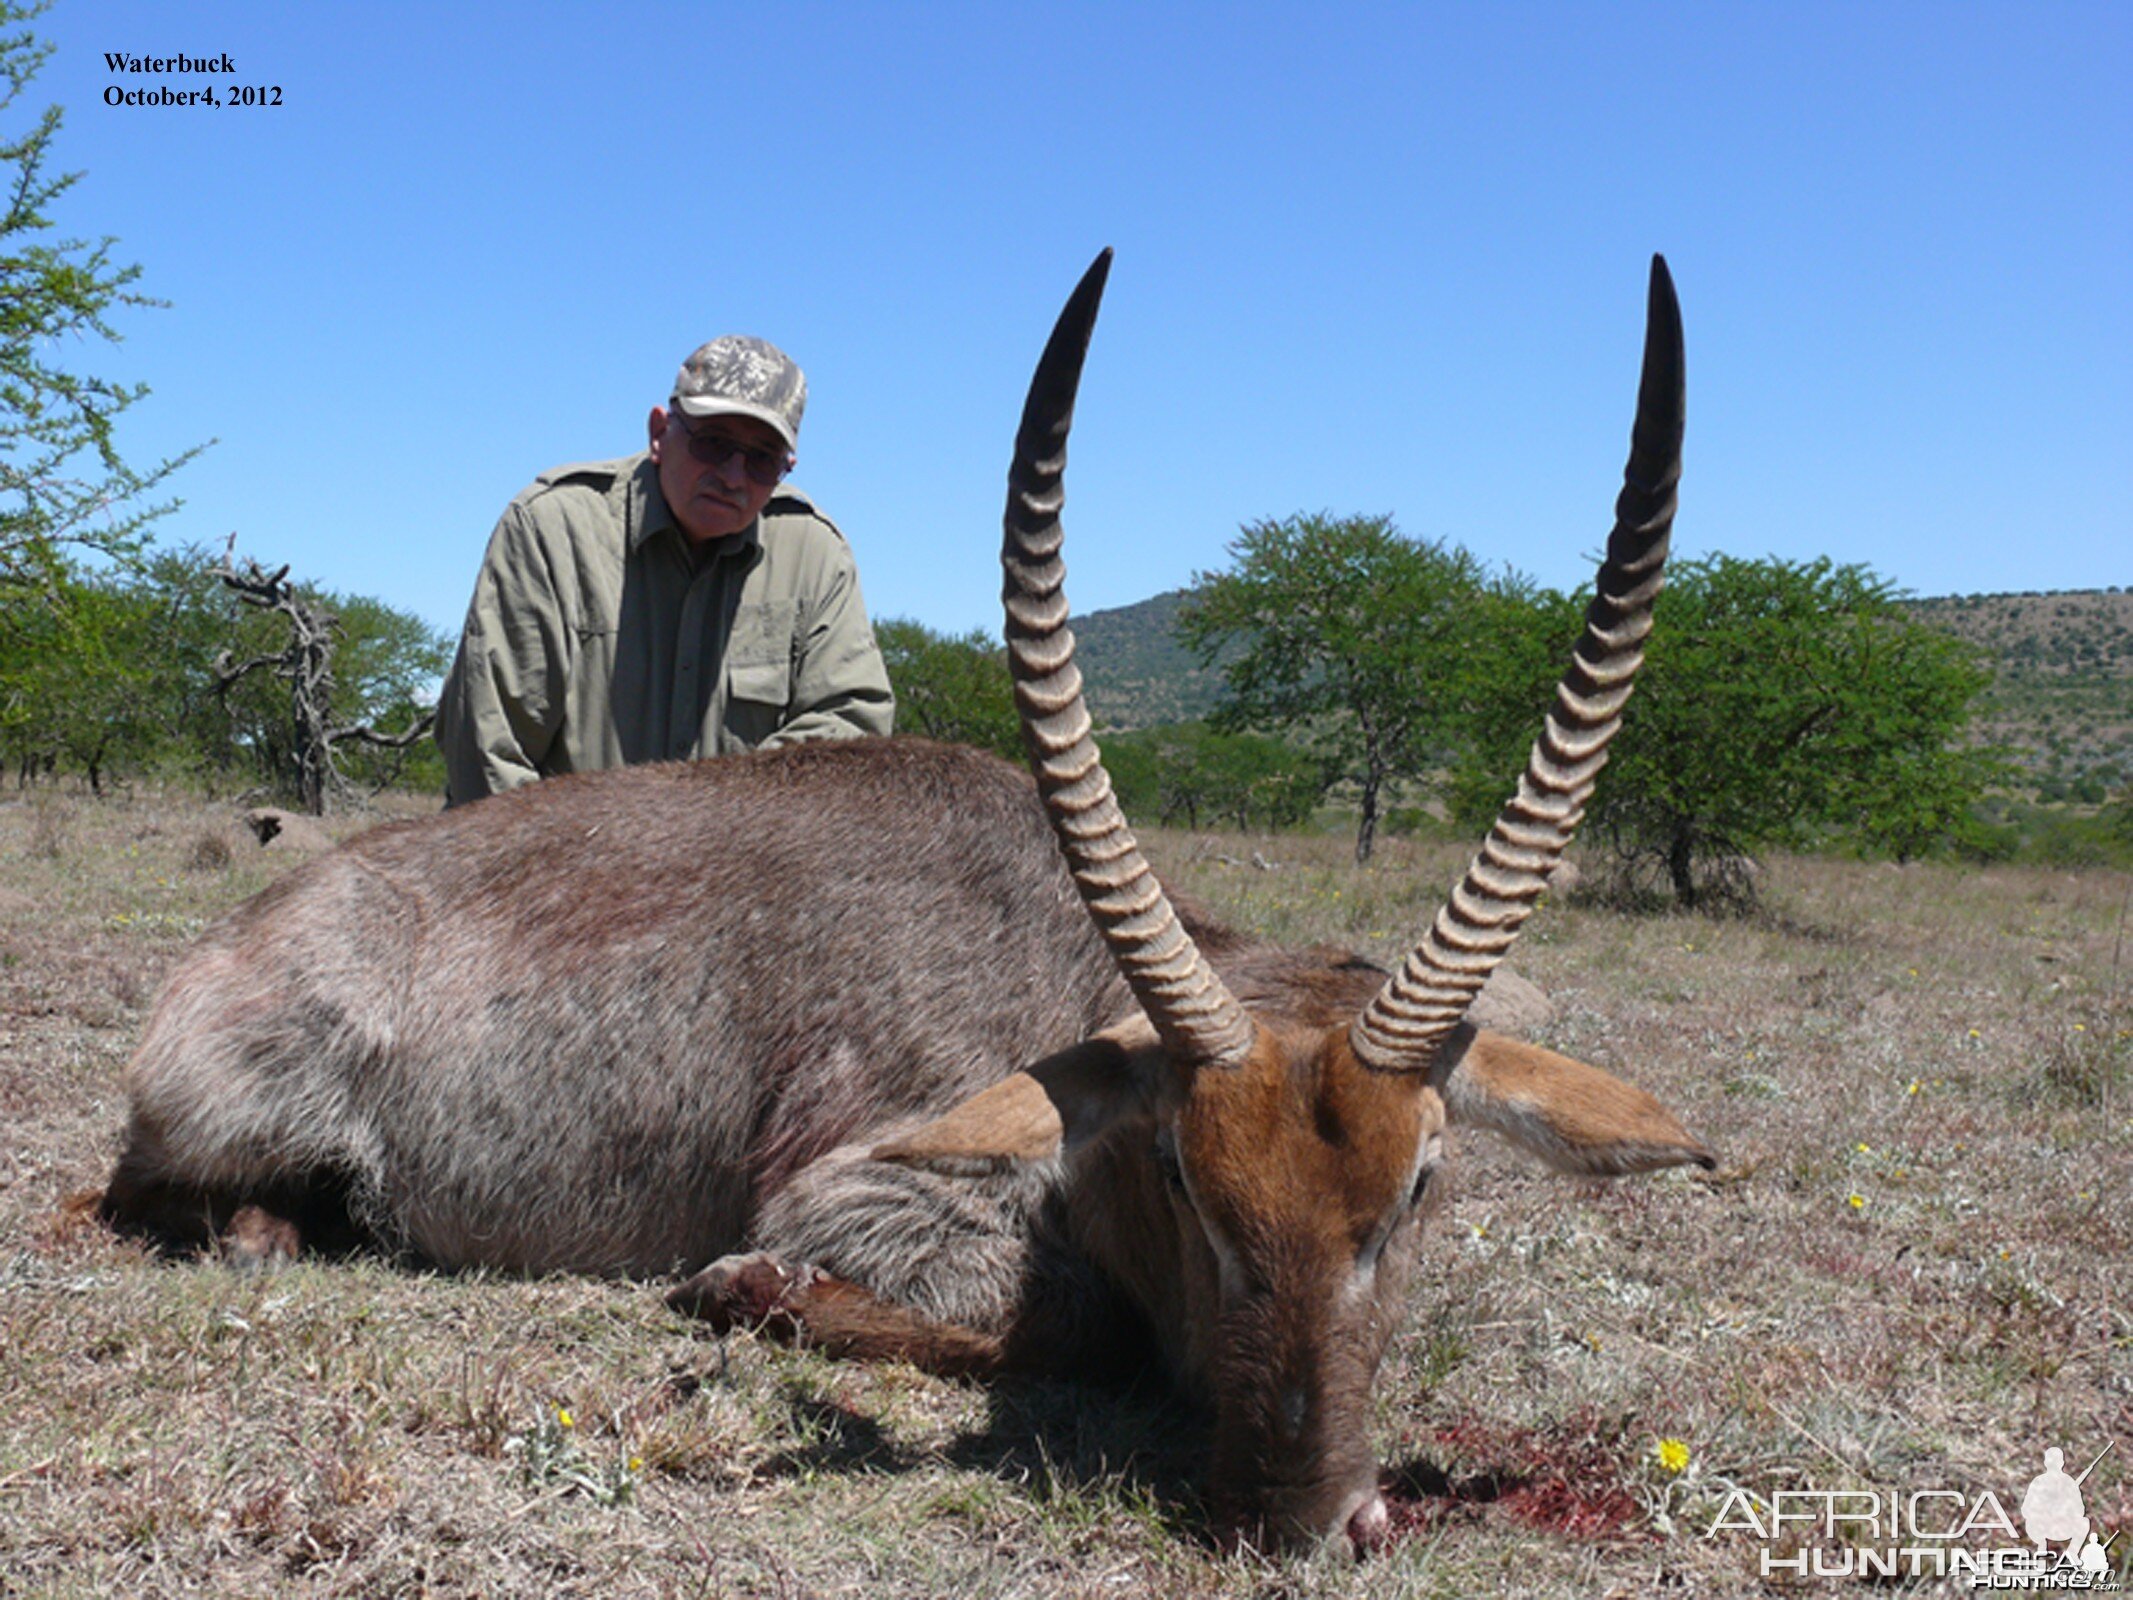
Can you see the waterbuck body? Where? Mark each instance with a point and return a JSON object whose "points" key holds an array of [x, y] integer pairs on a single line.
{"points": [[589, 1024], [888, 1047]]}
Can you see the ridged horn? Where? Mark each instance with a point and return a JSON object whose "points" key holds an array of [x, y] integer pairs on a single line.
{"points": [[1197, 1018], [1400, 1029]]}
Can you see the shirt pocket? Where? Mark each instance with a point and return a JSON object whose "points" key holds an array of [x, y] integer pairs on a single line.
{"points": [[760, 656], [763, 683], [591, 611]]}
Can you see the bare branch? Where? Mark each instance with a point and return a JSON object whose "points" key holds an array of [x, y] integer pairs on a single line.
{"points": [[394, 741], [225, 674]]}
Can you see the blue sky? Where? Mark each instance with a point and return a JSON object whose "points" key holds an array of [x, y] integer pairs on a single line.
{"points": [[1385, 259]]}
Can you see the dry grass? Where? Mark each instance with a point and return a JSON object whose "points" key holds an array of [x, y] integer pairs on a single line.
{"points": [[1911, 1271]]}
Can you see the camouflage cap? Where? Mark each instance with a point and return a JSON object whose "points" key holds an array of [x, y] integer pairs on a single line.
{"points": [[742, 377]]}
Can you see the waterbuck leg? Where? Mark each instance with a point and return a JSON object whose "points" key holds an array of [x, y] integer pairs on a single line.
{"points": [[805, 1305], [140, 1202], [258, 1227], [180, 1216], [966, 1274], [1073, 1325]]}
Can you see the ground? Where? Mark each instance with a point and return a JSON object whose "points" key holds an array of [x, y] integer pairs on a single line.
{"points": [[1910, 1272]]}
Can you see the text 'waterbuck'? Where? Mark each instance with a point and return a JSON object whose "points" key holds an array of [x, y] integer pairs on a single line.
{"points": [[962, 1095]]}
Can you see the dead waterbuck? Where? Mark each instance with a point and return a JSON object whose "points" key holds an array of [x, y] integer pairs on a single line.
{"points": [[842, 1032]]}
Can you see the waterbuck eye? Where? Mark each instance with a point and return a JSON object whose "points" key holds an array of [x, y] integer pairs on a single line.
{"points": [[1431, 1154], [1166, 1162]]}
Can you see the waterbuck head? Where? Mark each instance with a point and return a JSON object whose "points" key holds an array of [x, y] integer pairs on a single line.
{"points": [[1263, 1146]]}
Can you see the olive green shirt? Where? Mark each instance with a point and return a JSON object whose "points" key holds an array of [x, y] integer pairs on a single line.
{"points": [[599, 637]]}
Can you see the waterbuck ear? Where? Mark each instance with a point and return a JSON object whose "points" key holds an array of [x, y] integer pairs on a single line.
{"points": [[1576, 1118], [1040, 1113]]}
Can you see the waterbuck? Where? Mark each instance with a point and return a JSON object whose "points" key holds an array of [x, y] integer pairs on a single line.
{"points": [[841, 1033]]}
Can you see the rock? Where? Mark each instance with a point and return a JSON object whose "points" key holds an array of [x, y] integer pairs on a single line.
{"points": [[1511, 1004], [277, 829]]}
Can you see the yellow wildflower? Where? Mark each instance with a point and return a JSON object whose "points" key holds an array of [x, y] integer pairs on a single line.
{"points": [[1673, 1455], [563, 1416], [1856, 1201]]}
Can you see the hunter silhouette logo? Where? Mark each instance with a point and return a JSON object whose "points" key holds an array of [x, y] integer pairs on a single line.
{"points": [[2052, 1508], [1949, 1533]]}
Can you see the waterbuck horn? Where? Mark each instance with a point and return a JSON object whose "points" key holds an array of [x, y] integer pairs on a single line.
{"points": [[1400, 1029], [1197, 1018]]}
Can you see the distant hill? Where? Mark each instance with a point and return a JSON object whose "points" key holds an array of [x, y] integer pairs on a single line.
{"points": [[2062, 692], [1136, 673]]}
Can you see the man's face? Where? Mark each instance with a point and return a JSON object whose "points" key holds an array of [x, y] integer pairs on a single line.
{"points": [[712, 470]]}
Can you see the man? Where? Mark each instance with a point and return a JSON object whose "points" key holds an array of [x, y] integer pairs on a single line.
{"points": [[681, 602]]}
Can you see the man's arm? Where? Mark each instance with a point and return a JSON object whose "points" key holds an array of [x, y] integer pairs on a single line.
{"points": [[503, 700], [840, 687]]}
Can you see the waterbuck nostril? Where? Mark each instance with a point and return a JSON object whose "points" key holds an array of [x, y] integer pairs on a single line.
{"points": [[1295, 1412], [1369, 1525]]}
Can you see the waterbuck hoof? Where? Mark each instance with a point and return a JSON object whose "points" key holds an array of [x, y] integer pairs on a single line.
{"points": [[746, 1291], [256, 1239], [79, 1211], [1369, 1526]]}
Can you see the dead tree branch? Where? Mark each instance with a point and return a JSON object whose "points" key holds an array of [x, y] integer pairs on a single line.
{"points": [[305, 663]]}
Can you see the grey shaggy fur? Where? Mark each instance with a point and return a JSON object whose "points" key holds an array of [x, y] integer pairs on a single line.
{"points": [[610, 1023]]}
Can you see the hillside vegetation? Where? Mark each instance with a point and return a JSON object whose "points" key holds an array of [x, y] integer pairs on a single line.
{"points": [[2061, 698], [2062, 688], [1134, 670]]}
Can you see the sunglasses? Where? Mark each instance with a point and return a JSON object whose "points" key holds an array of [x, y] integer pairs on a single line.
{"points": [[715, 448]]}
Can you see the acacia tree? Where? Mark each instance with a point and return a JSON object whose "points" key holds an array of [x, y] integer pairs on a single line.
{"points": [[91, 673], [62, 480], [1187, 770], [1351, 638], [97, 679], [113, 670], [1781, 704], [952, 687]]}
